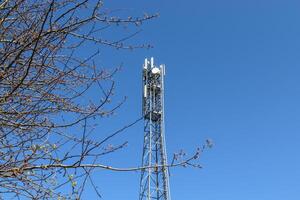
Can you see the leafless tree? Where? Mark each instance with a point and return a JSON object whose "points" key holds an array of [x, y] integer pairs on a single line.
{"points": [[45, 94]]}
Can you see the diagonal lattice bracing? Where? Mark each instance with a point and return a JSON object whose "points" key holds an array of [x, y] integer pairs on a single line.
{"points": [[154, 182]]}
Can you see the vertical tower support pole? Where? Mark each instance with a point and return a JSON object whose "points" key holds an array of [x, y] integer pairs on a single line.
{"points": [[154, 182]]}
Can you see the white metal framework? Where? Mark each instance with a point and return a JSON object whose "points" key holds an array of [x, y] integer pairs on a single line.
{"points": [[154, 182]]}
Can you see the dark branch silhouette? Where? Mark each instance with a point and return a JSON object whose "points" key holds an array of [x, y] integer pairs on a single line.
{"points": [[44, 96]]}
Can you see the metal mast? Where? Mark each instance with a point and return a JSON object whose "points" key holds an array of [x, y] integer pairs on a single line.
{"points": [[154, 182]]}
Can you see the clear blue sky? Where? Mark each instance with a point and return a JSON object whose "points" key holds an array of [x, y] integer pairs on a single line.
{"points": [[232, 76]]}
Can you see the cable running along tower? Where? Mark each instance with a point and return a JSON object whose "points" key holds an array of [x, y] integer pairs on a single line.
{"points": [[154, 182]]}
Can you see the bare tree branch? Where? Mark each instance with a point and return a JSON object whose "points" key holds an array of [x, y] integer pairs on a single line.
{"points": [[46, 110]]}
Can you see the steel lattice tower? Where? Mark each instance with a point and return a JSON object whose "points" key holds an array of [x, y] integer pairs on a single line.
{"points": [[154, 182]]}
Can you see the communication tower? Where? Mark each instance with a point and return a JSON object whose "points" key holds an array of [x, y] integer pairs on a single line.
{"points": [[154, 182]]}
